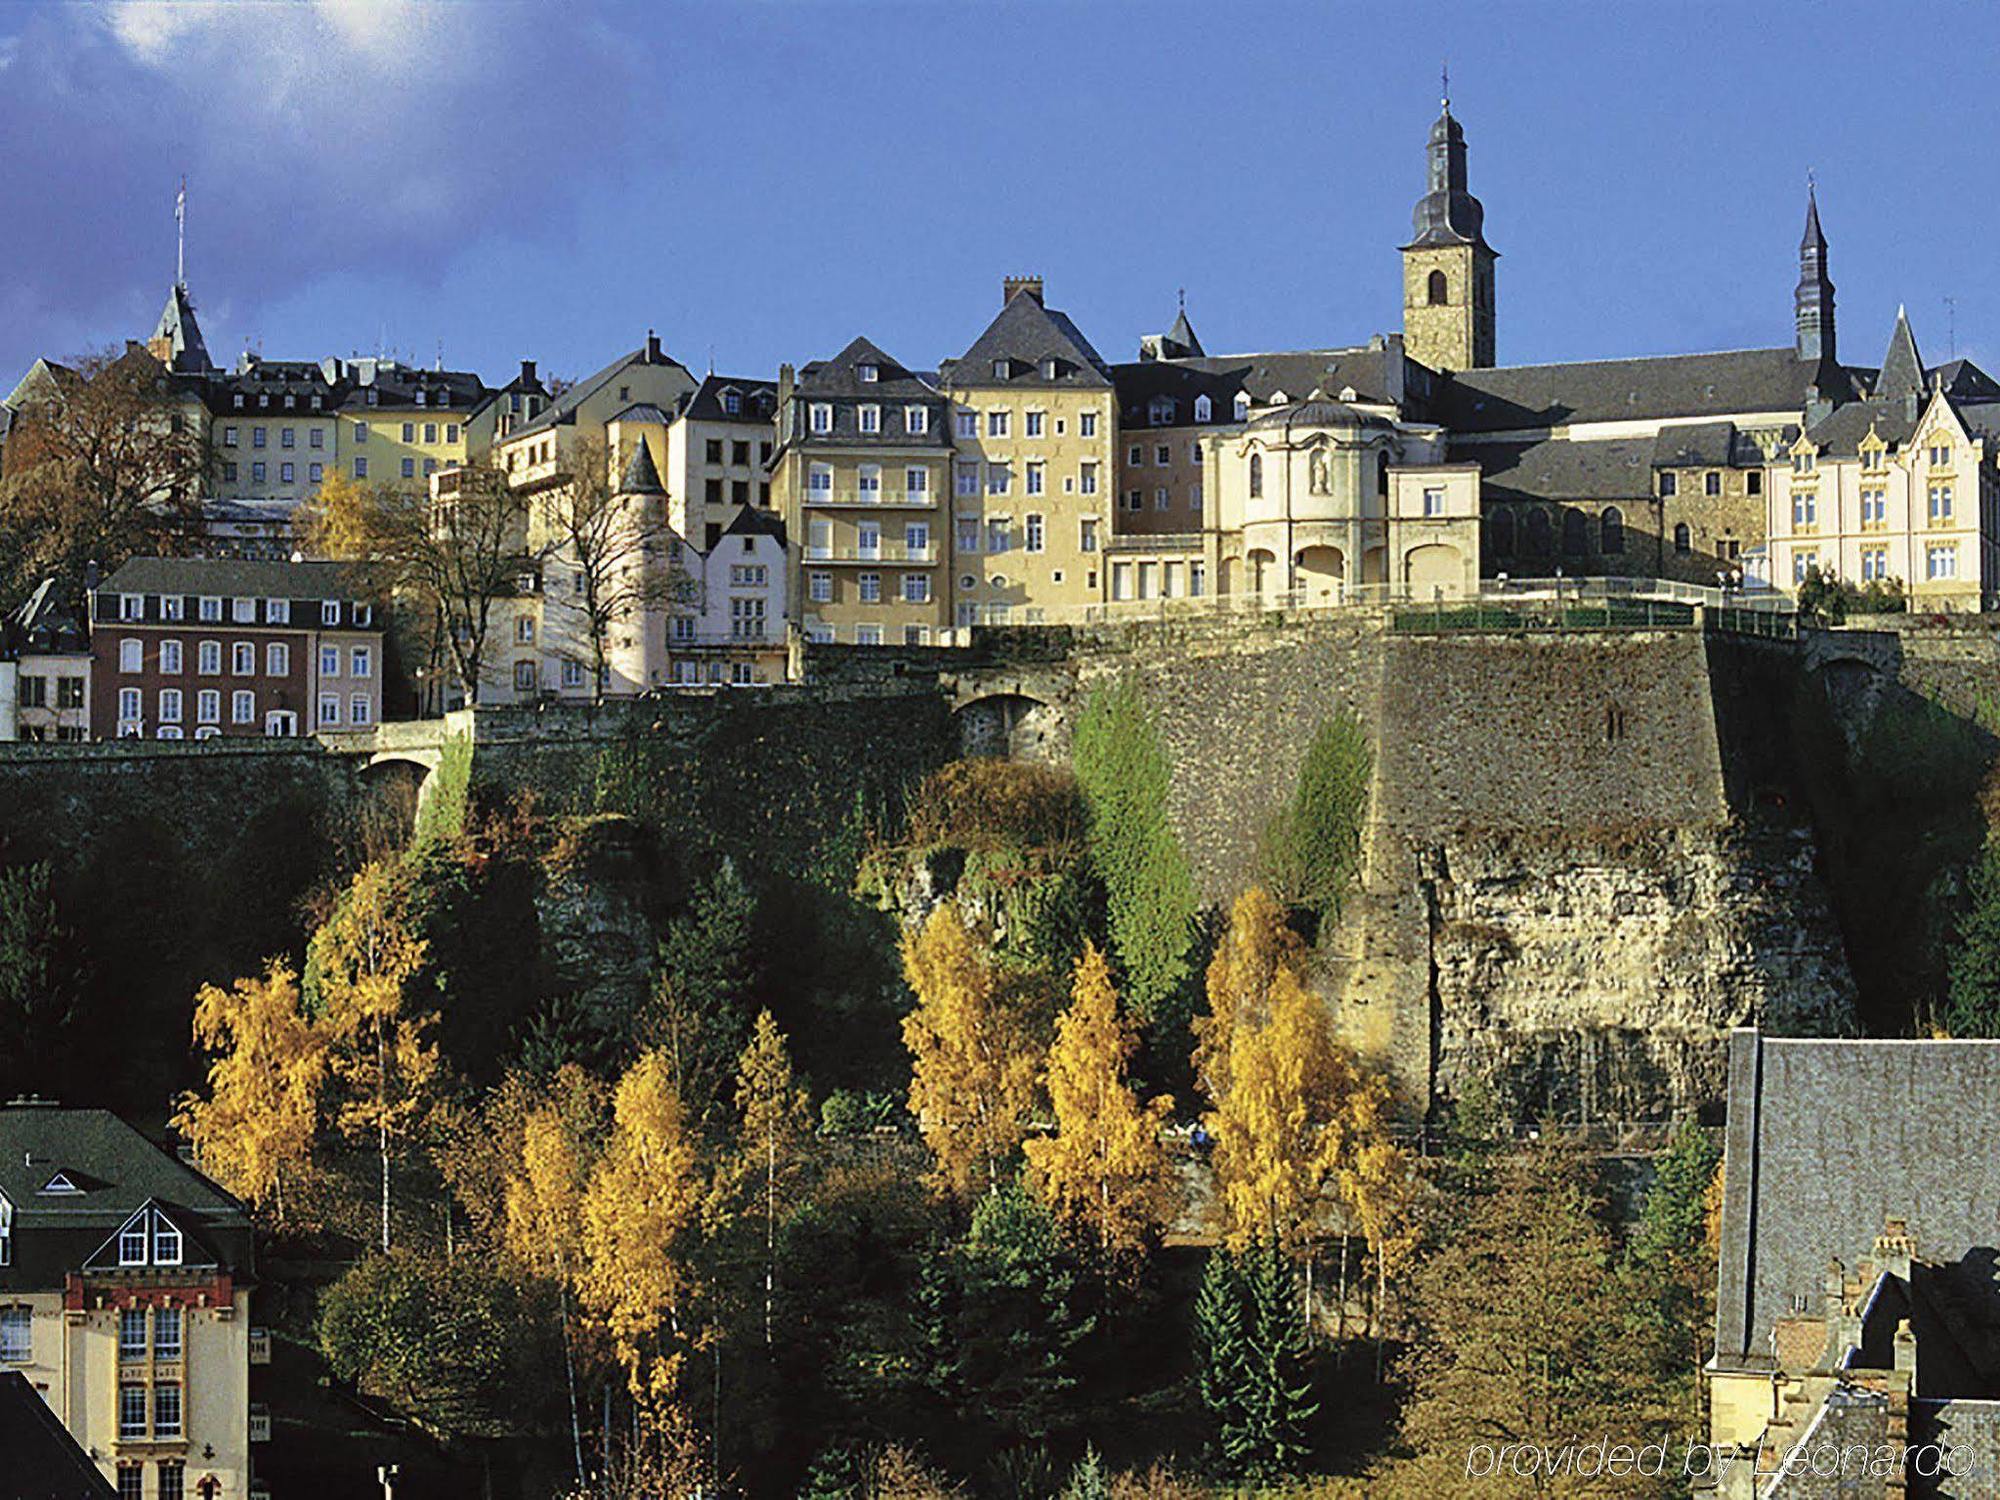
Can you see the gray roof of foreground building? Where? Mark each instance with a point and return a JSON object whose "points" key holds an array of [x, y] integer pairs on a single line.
{"points": [[1840, 435], [1826, 1141], [43, 1462], [642, 475], [1730, 383], [1564, 469], [1298, 373], [1026, 334], [841, 375], [758, 401], [240, 577]]}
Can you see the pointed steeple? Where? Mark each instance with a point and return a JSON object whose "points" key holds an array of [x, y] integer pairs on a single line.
{"points": [[1902, 376], [1182, 333], [1812, 299], [176, 341], [641, 475]]}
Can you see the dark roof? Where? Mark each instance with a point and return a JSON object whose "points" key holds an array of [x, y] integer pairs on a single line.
{"points": [[1964, 381], [759, 400], [399, 385], [1024, 336], [1983, 417], [1563, 469], [1141, 383], [1902, 373], [1609, 390], [239, 577], [840, 376], [1827, 1140], [562, 410], [1696, 445], [43, 1462], [1447, 214], [1316, 413], [177, 325], [1840, 434], [642, 475], [116, 1171], [46, 623], [1182, 333], [750, 521]]}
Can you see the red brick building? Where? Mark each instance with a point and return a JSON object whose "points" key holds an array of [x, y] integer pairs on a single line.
{"points": [[194, 648]]}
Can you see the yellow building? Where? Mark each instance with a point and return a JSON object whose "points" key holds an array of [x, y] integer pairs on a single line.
{"points": [[1034, 434], [124, 1300], [859, 475], [400, 425], [533, 451]]}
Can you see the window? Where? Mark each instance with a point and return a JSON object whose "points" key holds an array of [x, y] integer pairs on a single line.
{"points": [[288, 436], [1036, 482], [166, 1409], [329, 661], [1036, 423], [1162, 498], [229, 437], [1087, 537], [430, 432], [916, 540], [997, 423], [1711, 483], [524, 677], [999, 479], [820, 587], [132, 1242], [998, 535], [1034, 533], [870, 586], [409, 432], [1940, 496], [316, 438], [968, 424], [132, 1333], [34, 692], [1135, 455], [1203, 407], [360, 709], [173, 1478], [868, 373], [1002, 369], [257, 435], [166, 1241], [917, 485], [1805, 509], [229, 473], [1683, 538], [1802, 463], [1874, 564], [208, 658], [16, 1335], [916, 588], [1940, 456], [242, 708], [1086, 424], [211, 610], [1437, 289], [870, 418], [822, 417], [1433, 502], [277, 659], [129, 709], [258, 473], [1163, 455], [131, 655], [916, 419], [1242, 406], [208, 706], [1753, 482], [170, 705], [131, 1414], [360, 468], [329, 708], [868, 483], [1670, 485], [1941, 562], [131, 1477], [572, 674], [277, 611], [819, 484], [524, 630], [409, 468], [1576, 532], [1611, 530], [171, 606], [361, 662], [1802, 564], [132, 606], [868, 537], [1256, 476], [868, 635], [968, 534], [1086, 478]]}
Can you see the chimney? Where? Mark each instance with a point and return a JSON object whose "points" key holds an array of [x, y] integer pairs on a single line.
{"points": [[528, 372], [1017, 286], [653, 356]]}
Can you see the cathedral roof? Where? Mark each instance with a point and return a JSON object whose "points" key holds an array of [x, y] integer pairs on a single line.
{"points": [[1447, 214], [1730, 383], [1563, 469]]}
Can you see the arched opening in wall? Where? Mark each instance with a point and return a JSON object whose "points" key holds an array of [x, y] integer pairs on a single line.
{"points": [[1375, 565], [385, 811], [1611, 530], [1263, 569], [1433, 570], [1683, 538], [1256, 476], [1535, 533], [1500, 533], [1011, 726], [1232, 576], [1576, 534], [1437, 291], [1322, 574]]}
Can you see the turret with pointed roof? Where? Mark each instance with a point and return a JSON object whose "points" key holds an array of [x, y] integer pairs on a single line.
{"points": [[1902, 376], [642, 475], [1812, 299], [176, 341]]}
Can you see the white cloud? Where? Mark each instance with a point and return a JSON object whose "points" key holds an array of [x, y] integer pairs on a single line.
{"points": [[151, 30]]}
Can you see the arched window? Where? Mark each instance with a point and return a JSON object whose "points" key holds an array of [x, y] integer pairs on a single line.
{"points": [[1576, 534], [1201, 408], [1536, 533], [1242, 406], [1256, 476], [1438, 289], [1683, 539], [1611, 530], [1500, 533]]}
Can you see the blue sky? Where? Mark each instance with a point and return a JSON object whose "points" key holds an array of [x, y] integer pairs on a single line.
{"points": [[763, 181]]}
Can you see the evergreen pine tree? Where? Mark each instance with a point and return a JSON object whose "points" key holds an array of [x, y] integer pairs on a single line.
{"points": [[1088, 1481], [1972, 1008], [1220, 1354], [1271, 1439]]}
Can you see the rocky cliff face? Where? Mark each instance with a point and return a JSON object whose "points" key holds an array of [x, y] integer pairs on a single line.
{"points": [[593, 906]]}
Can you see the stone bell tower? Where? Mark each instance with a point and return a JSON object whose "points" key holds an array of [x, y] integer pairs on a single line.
{"points": [[1447, 265]]}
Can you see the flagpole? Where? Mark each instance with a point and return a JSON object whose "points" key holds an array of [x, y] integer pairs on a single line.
{"points": [[180, 235]]}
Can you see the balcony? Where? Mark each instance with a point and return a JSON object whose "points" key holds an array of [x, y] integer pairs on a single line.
{"points": [[874, 499], [260, 1346], [888, 552]]}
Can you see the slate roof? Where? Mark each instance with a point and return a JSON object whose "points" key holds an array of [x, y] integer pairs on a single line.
{"points": [[46, 624], [642, 475], [1840, 435], [1139, 384], [178, 327], [117, 1171], [1025, 334], [760, 400], [1702, 445], [1964, 381], [398, 385], [750, 521], [562, 410], [1182, 333], [1826, 1141], [1686, 386], [1316, 413], [43, 1462], [1300, 372], [1563, 469], [238, 577], [1902, 372], [840, 376]]}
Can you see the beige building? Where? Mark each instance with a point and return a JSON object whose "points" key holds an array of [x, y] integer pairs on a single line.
{"points": [[125, 1301], [1034, 435], [533, 451], [716, 456], [1899, 488], [859, 478]]}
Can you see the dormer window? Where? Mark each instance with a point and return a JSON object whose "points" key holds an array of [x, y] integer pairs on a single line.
{"points": [[444, 398], [1002, 369], [238, 401], [732, 402], [1050, 369], [132, 1242], [61, 1185], [868, 374], [167, 1244], [290, 401], [822, 417], [374, 397], [871, 418], [1802, 463], [916, 419], [1242, 406], [1203, 408], [1161, 412]]}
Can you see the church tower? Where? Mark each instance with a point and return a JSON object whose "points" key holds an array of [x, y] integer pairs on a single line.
{"points": [[1812, 300], [1448, 266]]}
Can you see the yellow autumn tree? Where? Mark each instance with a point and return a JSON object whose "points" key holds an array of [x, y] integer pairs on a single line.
{"points": [[641, 1210], [973, 1064], [1254, 947], [383, 1062], [1104, 1170], [255, 1124], [776, 1121]]}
